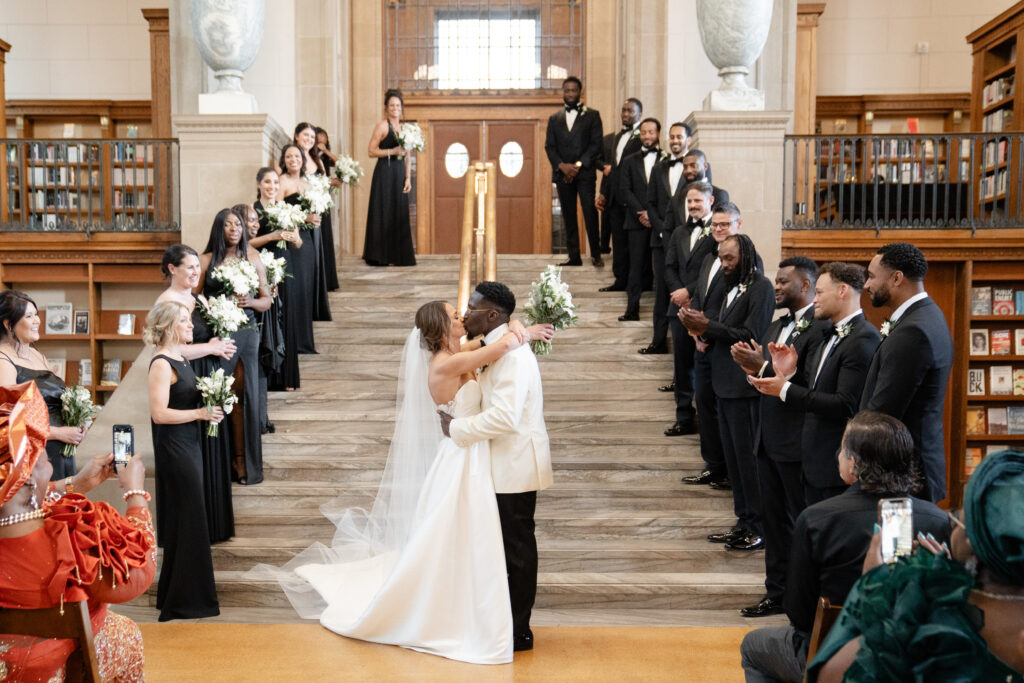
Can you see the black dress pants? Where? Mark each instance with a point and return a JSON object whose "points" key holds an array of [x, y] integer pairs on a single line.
{"points": [[660, 296], [737, 421], [582, 188], [606, 230], [782, 500], [683, 349], [639, 261], [615, 214], [517, 533], [707, 411]]}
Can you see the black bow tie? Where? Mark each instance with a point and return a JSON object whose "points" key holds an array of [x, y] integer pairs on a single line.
{"points": [[652, 150], [626, 130], [673, 162], [572, 107], [788, 319]]}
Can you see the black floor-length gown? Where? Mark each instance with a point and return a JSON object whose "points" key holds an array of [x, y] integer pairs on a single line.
{"points": [[299, 291], [247, 352], [285, 373], [388, 234], [215, 450], [186, 589], [330, 262], [50, 387], [321, 304]]}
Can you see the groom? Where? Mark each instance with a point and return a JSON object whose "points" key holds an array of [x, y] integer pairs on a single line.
{"points": [[513, 420]]}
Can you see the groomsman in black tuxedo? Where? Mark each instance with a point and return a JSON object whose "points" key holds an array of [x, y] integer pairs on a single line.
{"points": [[745, 314], [908, 375], [634, 176], [829, 388], [617, 146], [696, 169], [684, 256], [780, 425], [573, 146]]}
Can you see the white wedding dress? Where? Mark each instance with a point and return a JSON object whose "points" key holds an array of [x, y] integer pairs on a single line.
{"points": [[441, 588]]}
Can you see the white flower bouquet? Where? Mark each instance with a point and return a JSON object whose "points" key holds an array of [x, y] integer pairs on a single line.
{"points": [[216, 391], [316, 198], [411, 137], [348, 170], [550, 302], [77, 410], [276, 267], [225, 316], [284, 216], [239, 275]]}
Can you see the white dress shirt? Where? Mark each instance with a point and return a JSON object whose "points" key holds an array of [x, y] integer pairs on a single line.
{"points": [[623, 140], [674, 174], [570, 118], [905, 305], [832, 341], [697, 230], [711, 274], [649, 159]]}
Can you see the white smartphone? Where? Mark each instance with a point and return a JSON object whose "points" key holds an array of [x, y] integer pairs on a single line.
{"points": [[896, 520]]}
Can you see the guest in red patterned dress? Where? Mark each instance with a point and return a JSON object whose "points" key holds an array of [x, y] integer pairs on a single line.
{"points": [[57, 548]]}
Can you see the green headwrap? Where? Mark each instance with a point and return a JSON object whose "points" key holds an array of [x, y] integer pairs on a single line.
{"points": [[994, 512]]}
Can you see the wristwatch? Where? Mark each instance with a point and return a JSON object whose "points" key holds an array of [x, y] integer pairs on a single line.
{"points": [[579, 164]]}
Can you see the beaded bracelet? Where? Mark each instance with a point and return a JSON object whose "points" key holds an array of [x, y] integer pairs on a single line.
{"points": [[136, 492]]}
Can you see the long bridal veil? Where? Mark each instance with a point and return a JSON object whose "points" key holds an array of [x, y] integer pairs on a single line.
{"points": [[381, 533]]}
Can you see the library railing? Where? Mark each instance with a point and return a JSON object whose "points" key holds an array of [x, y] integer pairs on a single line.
{"points": [[89, 186], [949, 181]]}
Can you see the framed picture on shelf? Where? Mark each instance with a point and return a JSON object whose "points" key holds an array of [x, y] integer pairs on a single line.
{"points": [[58, 366], [979, 342], [975, 420], [976, 382], [1018, 342], [997, 420], [1002, 301], [981, 301], [1000, 380], [1000, 342], [126, 324], [58, 318], [111, 373], [972, 458], [85, 372], [1018, 381], [81, 322], [1015, 419]]}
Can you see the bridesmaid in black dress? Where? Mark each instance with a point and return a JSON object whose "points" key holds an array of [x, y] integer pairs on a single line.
{"points": [[388, 234], [298, 302], [21, 362], [228, 241], [286, 376], [328, 159], [186, 589], [305, 137]]}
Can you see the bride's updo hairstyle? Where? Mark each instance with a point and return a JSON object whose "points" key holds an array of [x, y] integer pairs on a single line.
{"points": [[434, 325]]}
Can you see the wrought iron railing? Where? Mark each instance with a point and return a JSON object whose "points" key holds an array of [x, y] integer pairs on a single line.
{"points": [[123, 185], [953, 181]]}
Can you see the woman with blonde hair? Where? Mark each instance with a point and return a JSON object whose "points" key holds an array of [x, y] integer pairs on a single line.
{"points": [[186, 588]]}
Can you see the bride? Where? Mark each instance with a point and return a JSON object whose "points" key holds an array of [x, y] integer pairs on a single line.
{"points": [[425, 568]]}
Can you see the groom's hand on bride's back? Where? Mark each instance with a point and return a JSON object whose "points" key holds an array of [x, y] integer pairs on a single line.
{"points": [[446, 420]]}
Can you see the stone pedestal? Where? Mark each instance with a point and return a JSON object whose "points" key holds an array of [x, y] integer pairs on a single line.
{"points": [[218, 159], [744, 150], [227, 103]]}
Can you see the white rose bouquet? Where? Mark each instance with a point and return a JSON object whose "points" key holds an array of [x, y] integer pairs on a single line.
{"points": [[77, 410], [216, 391], [284, 216], [276, 267], [225, 316], [239, 275], [348, 170], [550, 302], [316, 198], [411, 137]]}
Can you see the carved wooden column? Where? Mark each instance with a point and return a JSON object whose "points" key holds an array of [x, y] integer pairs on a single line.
{"points": [[5, 47], [807, 14], [159, 70]]}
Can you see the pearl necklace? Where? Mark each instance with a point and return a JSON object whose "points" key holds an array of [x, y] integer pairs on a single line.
{"points": [[22, 517]]}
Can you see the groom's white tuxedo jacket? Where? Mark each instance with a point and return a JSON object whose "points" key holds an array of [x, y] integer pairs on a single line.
{"points": [[512, 419]]}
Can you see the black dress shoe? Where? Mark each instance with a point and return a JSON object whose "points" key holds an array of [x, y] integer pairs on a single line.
{"points": [[606, 250], [626, 317], [597, 261], [612, 288], [571, 263], [668, 388], [746, 543], [722, 484], [681, 428], [705, 477], [522, 642], [652, 350], [766, 607], [729, 536]]}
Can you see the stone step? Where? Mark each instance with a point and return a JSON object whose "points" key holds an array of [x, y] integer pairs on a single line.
{"points": [[589, 408], [682, 450]]}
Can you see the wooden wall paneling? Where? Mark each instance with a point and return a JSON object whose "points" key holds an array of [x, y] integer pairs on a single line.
{"points": [[806, 91]]}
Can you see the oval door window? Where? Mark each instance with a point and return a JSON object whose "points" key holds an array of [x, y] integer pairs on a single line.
{"points": [[456, 160], [510, 159]]}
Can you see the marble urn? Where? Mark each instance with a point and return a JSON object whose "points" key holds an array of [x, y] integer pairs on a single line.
{"points": [[733, 33], [228, 33]]}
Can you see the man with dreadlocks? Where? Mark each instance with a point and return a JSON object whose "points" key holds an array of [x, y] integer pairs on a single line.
{"points": [[745, 314]]}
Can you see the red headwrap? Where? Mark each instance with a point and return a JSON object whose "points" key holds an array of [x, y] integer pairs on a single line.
{"points": [[24, 427]]}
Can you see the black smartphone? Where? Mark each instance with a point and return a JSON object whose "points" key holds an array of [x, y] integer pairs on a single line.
{"points": [[124, 445], [896, 520]]}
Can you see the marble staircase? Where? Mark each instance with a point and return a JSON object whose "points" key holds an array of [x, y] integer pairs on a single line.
{"points": [[621, 540]]}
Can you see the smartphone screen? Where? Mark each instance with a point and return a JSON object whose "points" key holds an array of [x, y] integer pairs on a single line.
{"points": [[124, 445], [896, 519]]}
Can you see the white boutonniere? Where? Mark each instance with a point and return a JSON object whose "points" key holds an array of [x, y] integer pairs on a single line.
{"points": [[843, 331], [705, 231], [741, 289], [583, 110], [635, 133], [887, 326], [801, 325], [662, 155]]}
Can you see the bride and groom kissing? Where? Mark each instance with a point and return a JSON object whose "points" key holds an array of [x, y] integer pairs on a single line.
{"points": [[445, 561]]}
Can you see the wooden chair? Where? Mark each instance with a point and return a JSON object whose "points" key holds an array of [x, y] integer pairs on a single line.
{"points": [[824, 617], [50, 623]]}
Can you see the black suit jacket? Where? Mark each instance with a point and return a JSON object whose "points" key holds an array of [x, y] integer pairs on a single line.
{"points": [[907, 379], [631, 177], [582, 143], [746, 318], [683, 266], [609, 183], [780, 427], [833, 399]]}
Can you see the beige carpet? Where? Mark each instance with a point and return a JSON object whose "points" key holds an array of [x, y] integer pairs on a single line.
{"points": [[308, 652]]}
